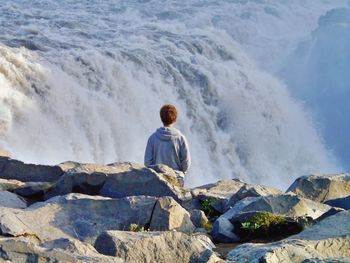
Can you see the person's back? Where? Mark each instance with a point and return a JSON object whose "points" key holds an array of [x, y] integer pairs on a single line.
{"points": [[168, 145]]}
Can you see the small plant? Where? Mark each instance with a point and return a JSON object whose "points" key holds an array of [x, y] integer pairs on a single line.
{"points": [[136, 228], [133, 227], [261, 223], [207, 207], [207, 226]]}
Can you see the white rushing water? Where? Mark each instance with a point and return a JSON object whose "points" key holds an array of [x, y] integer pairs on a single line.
{"points": [[84, 81]]}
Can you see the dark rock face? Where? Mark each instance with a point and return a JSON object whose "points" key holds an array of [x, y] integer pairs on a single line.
{"points": [[340, 202], [13, 169], [117, 181], [322, 188], [327, 240], [223, 231], [160, 247]]}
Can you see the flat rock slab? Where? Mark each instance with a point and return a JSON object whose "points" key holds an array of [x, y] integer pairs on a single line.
{"points": [[322, 188], [117, 180], [160, 247], [28, 249], [327, 241], [76, 216], [84, 217], [14, 169]]}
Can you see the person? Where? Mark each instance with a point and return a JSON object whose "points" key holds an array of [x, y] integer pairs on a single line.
{"points": [[167, 145]]}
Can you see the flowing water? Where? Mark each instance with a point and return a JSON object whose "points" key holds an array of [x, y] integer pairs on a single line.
{"points": [[84, 81]]}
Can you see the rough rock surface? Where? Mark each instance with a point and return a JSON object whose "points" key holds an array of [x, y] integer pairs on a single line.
{"points": [[8, 199], [9, 184], [168, 214], [160, 247], [251, 190], [223, 231], [223, 189], [327, 241], [14, 169], [84, 217], [322, 188], [76, 216], [33, 189], [288, 204], [28, 249], [117, 180]]}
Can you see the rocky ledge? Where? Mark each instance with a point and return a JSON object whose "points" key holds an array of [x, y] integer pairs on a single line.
{"points": [[125, 212]]}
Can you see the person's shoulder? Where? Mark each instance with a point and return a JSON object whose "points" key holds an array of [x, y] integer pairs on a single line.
{"points": [[152, 136]]}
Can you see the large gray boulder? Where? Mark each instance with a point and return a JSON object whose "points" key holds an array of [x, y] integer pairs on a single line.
{"points": [[224, 194], [84, 217], [8, 199], [289, 205], [322, 188], [168, 214], [160, 247], [14, 169], [117, 180], [327, 241], [29, 249], [294, 209], [251, 190], [216, 194], [222, 189]]}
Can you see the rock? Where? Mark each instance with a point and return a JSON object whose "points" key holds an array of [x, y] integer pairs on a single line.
{"points": [[340, 202], [168, 214], [84, 217], [10, 185], [223, 231], [327, 241], [28, 249], [223, 189], [77, 216], [251, 190], [218, 193], [160, 247], [117, 180], [289, 205], [14, 169], [330, 212], [198, 218], [33, 189], [168, 172], [322, 188], [8, 199], [4, 153]]}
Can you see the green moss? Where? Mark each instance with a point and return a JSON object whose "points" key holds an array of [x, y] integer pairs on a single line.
{"points": [[207, 206], [262, 222]]}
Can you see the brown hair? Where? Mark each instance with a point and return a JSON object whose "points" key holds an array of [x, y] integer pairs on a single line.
{"points": [[168, 114]]}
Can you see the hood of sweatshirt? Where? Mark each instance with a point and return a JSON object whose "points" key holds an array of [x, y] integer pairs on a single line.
{"points": [[167, 134]]}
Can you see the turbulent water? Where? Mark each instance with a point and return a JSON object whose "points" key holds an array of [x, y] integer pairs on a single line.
{"points": [[84, 81]]}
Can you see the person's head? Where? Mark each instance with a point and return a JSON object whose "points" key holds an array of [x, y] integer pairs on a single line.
{"points": [[168, 114]]}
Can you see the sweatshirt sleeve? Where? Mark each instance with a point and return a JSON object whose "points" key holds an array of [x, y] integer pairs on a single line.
{"points": [[148, 160], [185, 157]]}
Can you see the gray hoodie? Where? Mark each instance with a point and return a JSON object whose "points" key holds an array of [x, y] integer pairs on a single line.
{"points": [[168, 146]]}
